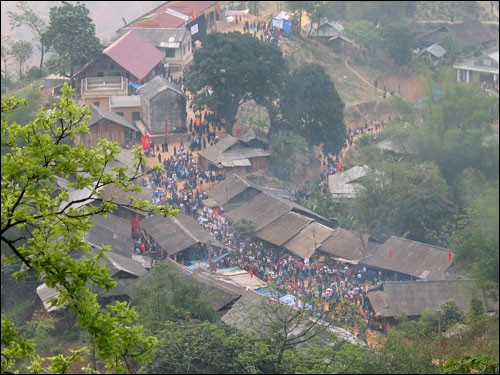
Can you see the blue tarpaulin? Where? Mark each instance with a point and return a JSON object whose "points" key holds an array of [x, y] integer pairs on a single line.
{"points": [[281, 23], [135, 85]]}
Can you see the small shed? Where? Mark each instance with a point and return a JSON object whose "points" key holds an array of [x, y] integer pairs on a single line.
{"points": [[231, 153], [113, 231], [108, 125], [163, 107], [414, 297], [178, 235], [414, 259]]}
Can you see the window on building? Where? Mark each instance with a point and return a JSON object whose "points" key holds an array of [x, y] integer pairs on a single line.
{"points": [[97, 104], [169, 52], [136, 116]]}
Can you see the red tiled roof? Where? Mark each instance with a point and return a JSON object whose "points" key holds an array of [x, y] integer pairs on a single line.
{"points": [[134, 54], [160, 21], [185, 7]]}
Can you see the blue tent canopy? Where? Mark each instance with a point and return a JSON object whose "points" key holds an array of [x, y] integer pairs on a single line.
{"points": [[135, 85]]}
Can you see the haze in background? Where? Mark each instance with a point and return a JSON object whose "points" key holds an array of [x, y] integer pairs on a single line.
{"points": [[107, 16]]}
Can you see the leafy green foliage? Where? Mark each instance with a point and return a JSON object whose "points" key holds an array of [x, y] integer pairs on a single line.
{"points": [[72, 36], [244, 228], [43, 228], [164, 296], [404, 198], [21, 51], [468, 364], [286, 145], [28, 17], [457, 132], [399, 42], [238, 67], [312, 106]]}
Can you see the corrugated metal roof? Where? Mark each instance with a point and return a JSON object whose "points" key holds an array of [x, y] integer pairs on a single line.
{"points": [[139, 63], [44, 293], [157, 85], [113, 231], [347, 244], [337, 180], [262, 210], [436, 50], [284, 228], [174, 234], [414, 297], [118, 263], [213, 153], [409, 257], [99, 113], [305, 243]]}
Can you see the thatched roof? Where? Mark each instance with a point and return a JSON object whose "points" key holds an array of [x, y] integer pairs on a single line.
{"points": [[413, 258], [346, 244], [305, 243], [174, 234], [414, 297], [262, 210], [126, 265], [234, 185], [284, 228], [231, 152], [228, 189]]}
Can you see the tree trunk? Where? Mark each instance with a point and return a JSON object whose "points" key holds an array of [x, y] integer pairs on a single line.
{"points": [[42, 50]]}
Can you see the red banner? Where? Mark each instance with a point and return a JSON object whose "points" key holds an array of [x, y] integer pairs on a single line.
{"points": [[146, 142]]}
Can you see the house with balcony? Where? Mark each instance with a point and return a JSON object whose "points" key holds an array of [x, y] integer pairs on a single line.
{"points": [[481, 69], [128, 61]]}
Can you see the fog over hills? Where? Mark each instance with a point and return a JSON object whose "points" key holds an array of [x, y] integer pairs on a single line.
{"points": [[107, 16]]}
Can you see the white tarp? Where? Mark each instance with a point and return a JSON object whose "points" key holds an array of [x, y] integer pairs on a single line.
{"points": [[236, 12]]}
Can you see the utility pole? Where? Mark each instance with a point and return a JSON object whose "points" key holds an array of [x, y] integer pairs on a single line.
{"points": [[439, 338]]}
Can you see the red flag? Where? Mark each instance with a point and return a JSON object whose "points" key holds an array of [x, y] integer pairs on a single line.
{"points": [[390, 253], [449, 255], [182, 262], [250, 271], [146, 142], [193, 14], [135, 223]]}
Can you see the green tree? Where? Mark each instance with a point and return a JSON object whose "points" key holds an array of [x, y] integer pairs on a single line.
{"points": [[6, 53], [457, 132], [468, 364], [403, 198], [71, 33], [196, 347], [44, 229], [399, 42], [27, 17], [163, 296], [245, 228], [23, 115], [21, 51], [286, 146], [313, 106], [238, 68]]}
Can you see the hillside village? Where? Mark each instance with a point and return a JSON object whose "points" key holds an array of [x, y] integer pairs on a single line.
{"points": [[242, 235]]}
